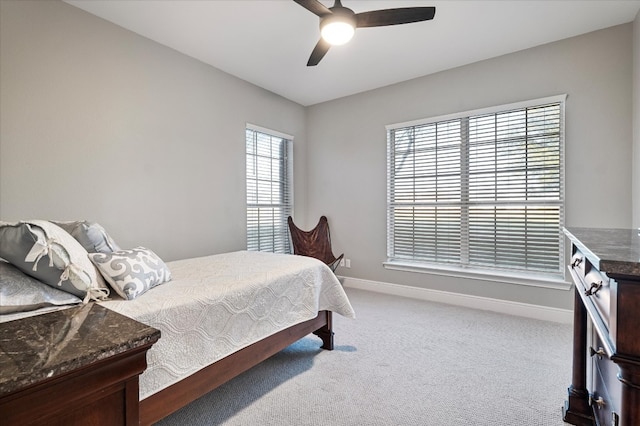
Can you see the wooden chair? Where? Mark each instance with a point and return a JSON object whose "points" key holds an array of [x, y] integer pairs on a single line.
{"points": [[315, 243]]}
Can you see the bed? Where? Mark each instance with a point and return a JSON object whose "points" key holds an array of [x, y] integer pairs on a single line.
{"points": [[218, 315]]}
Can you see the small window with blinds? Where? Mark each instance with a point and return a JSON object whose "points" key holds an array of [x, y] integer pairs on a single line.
{"points": [[480, 191], [269, 189]]}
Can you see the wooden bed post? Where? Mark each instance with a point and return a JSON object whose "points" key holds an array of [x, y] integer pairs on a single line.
{"points": [[326, 333]]}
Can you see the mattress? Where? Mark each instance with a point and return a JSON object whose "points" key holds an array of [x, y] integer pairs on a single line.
{"points": [[217, 305]]}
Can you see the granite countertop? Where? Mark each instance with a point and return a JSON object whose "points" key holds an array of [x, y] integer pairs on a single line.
{"points": [[40, 347], [613, 251]]}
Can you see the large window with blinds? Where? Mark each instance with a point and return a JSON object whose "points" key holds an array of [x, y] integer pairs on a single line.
{"points": [[269, 189], [479, 191]]}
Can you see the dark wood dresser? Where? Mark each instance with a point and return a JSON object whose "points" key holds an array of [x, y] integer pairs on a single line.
{"points": [[78, 366], [605, 267]]}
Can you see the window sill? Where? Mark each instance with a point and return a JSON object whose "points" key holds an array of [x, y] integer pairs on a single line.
{"points": [[545, 281]]}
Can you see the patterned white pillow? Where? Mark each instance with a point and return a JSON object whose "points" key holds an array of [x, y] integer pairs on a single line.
{"points": [[131, 272], [48, 253], [21, 293]]}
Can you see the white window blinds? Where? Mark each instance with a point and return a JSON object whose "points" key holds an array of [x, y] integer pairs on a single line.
{"points": [[269, 190], [481, 190]]}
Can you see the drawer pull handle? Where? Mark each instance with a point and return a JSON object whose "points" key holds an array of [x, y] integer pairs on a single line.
{"points": [[597, 402], [600, 352], [595, 287], [576, 262]]}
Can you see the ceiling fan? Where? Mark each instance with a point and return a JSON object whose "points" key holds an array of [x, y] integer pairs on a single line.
{"points": [[338, 23]]}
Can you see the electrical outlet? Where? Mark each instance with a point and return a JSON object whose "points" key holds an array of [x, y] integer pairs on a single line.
{"points": [[347, 263], [341, 262]]}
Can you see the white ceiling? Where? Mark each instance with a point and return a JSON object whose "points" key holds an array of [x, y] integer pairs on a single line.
{"points": [[268, 42]]}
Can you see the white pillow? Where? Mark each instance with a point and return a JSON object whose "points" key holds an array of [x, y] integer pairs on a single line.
{"points": [[21, 293], [48, 253]]}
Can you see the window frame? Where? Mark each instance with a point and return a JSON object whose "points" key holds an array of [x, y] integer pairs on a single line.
{"points": [[556, 279], [277, 239]]}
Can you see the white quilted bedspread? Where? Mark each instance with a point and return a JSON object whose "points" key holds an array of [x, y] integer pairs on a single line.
{"points": [[216, 305]]}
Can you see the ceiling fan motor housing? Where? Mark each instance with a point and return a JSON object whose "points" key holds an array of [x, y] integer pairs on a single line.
{"points": [[343, 20]]}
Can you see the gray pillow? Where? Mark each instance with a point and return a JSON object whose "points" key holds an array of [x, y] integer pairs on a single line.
{"points": [[21, 293], [92, 236], [131, 272], [48, 253]]}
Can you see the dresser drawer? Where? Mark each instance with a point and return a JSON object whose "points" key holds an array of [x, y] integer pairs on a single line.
{"points": [[606, 368], [578, 262], [593, 285], [597, 288], [604, 408], [606, 395]]}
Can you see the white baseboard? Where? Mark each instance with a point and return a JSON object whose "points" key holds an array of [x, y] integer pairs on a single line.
{"points": [[546, 313]]}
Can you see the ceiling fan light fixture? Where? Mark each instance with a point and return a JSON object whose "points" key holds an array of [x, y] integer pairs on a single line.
{"points": [[339, 23], [337, 30]]}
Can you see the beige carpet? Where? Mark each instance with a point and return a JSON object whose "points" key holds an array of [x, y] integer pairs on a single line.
{"points": [[403, 362]]}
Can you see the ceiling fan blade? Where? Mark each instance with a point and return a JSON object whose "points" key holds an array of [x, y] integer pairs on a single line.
{"points": [[314, 6], [318, 53], [405, 15]]}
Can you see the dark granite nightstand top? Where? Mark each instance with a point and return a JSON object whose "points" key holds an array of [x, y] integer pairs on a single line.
{"points": [[44, 346], [613, 251]]}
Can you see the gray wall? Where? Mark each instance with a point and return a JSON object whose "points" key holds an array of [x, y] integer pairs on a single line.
{"points": [[636, 122], [347, 147], [99, 123]]}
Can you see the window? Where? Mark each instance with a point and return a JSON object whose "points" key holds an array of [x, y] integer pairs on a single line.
{"points": [[479, 191], [269, 189]]}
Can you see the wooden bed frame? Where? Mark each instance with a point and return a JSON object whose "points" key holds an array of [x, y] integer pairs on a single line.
{"points": [[176, 396]]}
